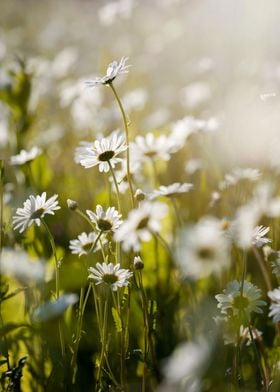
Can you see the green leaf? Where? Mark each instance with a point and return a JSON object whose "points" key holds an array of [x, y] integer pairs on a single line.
{"points": [[117, 320]]}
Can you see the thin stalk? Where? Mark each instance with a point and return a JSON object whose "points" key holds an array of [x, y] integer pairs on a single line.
{"points": [[57, 283], [116, 185], [244, 271], [103, 339], [262, 268], [125, 122], [82, 306]]}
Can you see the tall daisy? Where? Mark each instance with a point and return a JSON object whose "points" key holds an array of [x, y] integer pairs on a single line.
{"points": [[34, 209], [105, 221], [113, 70], [140, 225], [84, 244], [111, 275], [101, 153], [25, 156]]}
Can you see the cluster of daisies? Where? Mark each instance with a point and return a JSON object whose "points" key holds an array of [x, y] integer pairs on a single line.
{"points": [[201, 250]]}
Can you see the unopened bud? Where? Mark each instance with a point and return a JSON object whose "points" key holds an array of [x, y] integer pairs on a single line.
{"points": [[138, 263], [139, 195], [72, 204]]}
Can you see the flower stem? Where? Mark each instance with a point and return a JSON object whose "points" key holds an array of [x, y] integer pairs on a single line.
{"points": [[103, 339], [125, 122], [57, 283], [116, 186]]}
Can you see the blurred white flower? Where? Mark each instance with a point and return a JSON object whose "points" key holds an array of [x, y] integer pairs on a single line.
{"points": [[193, 165], [18, 264], [274, 308], [83, 245], [110, 274], [195, 94], [259, 238], [203, 249], [25, 156], [149, 147], [237, 175], [140, 224], [64, 62], [232, 303], [114, 69], [53, 309], [135, 99], [115, 10], [105, 221], [186, 365], [34, 209], [101, 152], [172, 190]]}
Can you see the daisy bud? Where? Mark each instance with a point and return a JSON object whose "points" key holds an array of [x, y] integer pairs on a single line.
{"points": [[139, 195], [138, 263], [72, 204]]}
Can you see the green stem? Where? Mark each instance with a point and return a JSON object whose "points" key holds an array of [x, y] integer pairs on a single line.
{"points": [[57, 283], [103, 339], [127, 142], [118, 245]]}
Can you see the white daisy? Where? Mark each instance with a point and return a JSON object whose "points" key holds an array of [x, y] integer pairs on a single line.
{"points": [[237, 175], [84, 244], [25, 156], [34, 209], [105, 221], [101, 152], [233, 303], [110, 274], [258, 237], [114, 69], [274, 308], [172, 190], [203, 249], [139, 225], [148, 147]]}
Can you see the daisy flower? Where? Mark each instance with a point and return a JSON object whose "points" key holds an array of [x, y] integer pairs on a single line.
{"points": [[258, 237], [274, 308], [148, 147], [172, 190], [34, 209], [203, 249], [83, 245], [25, 156], [140, 224], [113, 70], [101, 152], [105, 221], [110, 274], [231, 302]]}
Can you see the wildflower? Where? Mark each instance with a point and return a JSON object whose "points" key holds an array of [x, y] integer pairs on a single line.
{"points": [[53, 309], [147, 148], [237, 175], [101, 152], [114, 69], [140, 224], [72, 204], [17, 263], [258, 237], [25, 156], [203, 249], [84, 244], [34, 209], [172, 190], [187, 364], [110, 274], [274, 308], [232, 302], [105, 221]]}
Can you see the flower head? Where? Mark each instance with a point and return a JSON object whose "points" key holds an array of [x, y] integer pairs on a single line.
{"points": [[101, 152], [258, 237], [113, 70], [25, 156], [172, 190], [34, 209], [110, 274], [274, 308], [148, 147], [203, 249], [140, 223], [105, 221], [232, 302], [84, 244]]}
